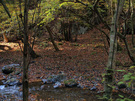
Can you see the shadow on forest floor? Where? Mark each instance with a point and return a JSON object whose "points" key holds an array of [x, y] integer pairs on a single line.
{"points": [[5, 47]]}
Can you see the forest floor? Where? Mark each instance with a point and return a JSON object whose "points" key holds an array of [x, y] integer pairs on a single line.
{"points": [[84, 60]]}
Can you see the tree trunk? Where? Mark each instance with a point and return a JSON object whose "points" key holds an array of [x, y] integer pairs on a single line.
{"points": [[32, 52], [132, 20], [5, 7], [128, 51], [51, 37], [5, 38], [26, 57], [111, 60]]}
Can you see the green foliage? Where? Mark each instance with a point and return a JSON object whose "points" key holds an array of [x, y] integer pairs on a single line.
{"points": [[120, 70], [69, 81], [8, 23], [121, 82], [122, 98], [49, 10], [128, 78]]}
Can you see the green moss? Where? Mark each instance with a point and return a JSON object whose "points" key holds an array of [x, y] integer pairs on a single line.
{"points": [[69, 81]]}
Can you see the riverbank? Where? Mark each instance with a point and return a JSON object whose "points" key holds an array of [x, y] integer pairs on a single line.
{"points": [[84, 60]]}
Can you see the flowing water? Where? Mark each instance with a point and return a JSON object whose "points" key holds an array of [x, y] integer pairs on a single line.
{"points": [[46, 92]]}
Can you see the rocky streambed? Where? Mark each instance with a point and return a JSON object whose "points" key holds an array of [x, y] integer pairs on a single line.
{"points": [[54, 87]]}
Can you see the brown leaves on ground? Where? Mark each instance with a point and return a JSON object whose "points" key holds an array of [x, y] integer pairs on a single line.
{"points": [[84, 60]]}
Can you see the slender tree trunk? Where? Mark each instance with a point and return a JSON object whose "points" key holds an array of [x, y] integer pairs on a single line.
{"points": [[25, 54], [128, 51], [5, 38], [132, 24], [111, 60], [5, 7], [51, 37]]}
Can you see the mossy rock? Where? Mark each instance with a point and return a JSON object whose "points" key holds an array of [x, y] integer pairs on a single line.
{"points": [[70, 83]]}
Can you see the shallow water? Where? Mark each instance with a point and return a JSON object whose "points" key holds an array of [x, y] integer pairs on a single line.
{"points": [[63, 94], [46, 92]]}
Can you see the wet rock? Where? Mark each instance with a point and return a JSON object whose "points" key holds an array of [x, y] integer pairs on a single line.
{"points": [[71, 83], [44, 80], [10, 68], [2, 87], [42, 87], [80, 86], [18, 71], [52, 79], [19, 94], [12, 82], [57, 85], [93, 88], [55, 78]]}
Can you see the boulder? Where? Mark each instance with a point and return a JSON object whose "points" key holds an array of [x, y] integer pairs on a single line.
{"points": [[10, 68], [70, 83], [54, 78], [12, 82]]}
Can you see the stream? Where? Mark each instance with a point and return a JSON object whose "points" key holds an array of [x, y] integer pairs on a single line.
{"points": [[46, 92], [11, 88]]}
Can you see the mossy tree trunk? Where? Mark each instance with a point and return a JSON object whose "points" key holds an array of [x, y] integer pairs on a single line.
{"points": [[112, 51], [132, 21]]}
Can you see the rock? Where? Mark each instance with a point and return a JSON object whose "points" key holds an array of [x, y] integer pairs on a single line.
{"points": [[80, 86], [42, 87], [2, 87], [71, 83], [12, 82], [121, 86], [57, 85], [56, 78], [18, 71], [10, 68], [52, 79], [60, 77], [93, 88], [44, 80]]}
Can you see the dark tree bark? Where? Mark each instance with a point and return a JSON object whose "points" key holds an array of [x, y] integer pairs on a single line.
{"points": [[26, 57]]}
